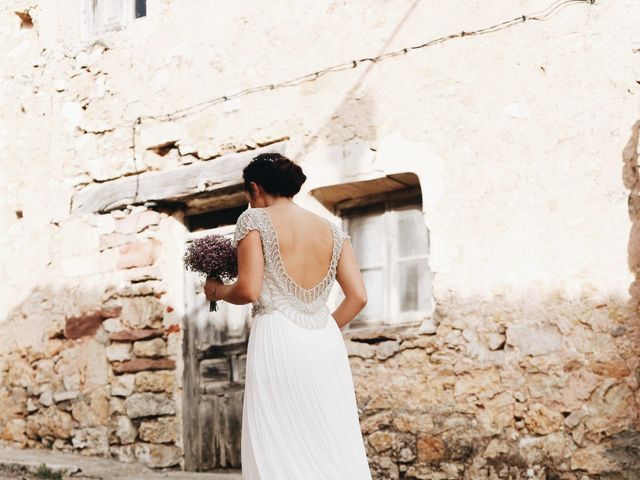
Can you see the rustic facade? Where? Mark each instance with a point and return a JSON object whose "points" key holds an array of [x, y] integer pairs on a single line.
{"points": [[503, 344]]}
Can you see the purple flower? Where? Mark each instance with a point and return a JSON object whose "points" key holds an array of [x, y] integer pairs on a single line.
{"points": [[215, 257]]}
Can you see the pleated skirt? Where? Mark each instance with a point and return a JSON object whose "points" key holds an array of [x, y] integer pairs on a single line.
{"points": [[300, 418]]}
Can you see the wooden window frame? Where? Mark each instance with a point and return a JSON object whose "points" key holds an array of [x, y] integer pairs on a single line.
{"points": [[387, 205], [97, 25]]}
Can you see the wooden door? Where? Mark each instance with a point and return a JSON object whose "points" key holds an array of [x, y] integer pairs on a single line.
{"points": [[215, 347]]}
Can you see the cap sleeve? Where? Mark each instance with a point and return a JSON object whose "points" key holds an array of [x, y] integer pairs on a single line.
{"points": [[248, 220], [341, 236]]}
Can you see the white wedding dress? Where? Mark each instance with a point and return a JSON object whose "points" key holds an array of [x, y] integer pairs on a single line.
{"points": [[300, 418]]}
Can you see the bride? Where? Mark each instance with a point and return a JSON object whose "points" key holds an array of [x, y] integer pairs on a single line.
{"points": [[300, 418]]}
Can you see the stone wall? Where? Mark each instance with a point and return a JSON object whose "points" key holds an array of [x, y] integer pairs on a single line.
{"points": [[104, 379], [504, 394], [533, 217]]}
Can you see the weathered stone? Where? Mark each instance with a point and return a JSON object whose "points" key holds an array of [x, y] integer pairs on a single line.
{"points": [[20, 373], [141, 312], [574, 418], [542, 420], [91, 441], [161, 430], [137, 222], [495, 341], [15, 430], [117, 352], [611, 369], [160, 381], [122, 430], [13, 403], [46, 398], [49, 422], [496, 448], [96, 371], [133, 335], [87, 323], [112, 325], [116, 405], [150, 348], [139, 254], [376, 422], [534, 340], [593, 459], [382, 440], [44, 371], [157, 456], [95, 413], [32, 405], [385, 350], [149, 404], [142, 364], [64, 396], [111, 240], [122, 385], [123, 453], [429, 448]]}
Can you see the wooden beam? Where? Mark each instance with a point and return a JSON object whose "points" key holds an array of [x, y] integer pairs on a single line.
{"points": [[175, 185]]}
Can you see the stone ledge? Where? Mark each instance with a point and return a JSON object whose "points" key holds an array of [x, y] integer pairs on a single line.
{"points": [[134, 335], [29, 460], [143, 364]]}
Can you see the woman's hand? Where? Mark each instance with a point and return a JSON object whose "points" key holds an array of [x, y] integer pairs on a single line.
{"points": [[211, 290]]}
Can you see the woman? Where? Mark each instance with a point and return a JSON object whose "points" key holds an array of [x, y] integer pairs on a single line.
{"points": [[300, 419]]}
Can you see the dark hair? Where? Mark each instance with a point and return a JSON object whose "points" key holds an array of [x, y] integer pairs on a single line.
{"points": [[275, 173]]}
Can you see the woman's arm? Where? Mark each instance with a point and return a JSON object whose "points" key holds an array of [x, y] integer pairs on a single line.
{"points": [[350, 279], [247, 287]]}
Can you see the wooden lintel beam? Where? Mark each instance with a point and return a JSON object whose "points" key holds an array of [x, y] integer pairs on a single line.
{"points": [[169, 186]]}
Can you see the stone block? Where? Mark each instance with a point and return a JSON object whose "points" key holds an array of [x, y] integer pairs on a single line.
{"points": [[158, 456], [150, 348], [534, 340], [15, 430], [159, 381], [148, 405], [92, 441], [142, 364], [49, 422], [87, 323], [161, 430], [137, 222], [429, 448], [122, 385], [142, 253], [133, 335], [122, 430], [118, 352], [141, 312], [123, 453]]}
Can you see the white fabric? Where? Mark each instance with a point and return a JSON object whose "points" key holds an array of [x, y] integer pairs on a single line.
{"points": [[300, 418]]}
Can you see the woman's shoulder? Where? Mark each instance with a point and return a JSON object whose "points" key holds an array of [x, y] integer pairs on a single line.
{"points": [[250, 219]]}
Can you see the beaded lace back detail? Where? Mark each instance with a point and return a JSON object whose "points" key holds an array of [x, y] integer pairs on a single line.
{"points": [[304, 306]]}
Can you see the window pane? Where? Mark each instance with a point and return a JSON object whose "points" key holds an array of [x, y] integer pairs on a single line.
{"points": [[415, 285], [141, 8], [366, 239], [412, 233], [374, 282]]}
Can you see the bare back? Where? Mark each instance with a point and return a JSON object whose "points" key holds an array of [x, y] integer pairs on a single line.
{"points": [[306, 244]]}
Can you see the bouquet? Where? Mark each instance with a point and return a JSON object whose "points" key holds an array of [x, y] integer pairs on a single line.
{"points": [[215, 257]]}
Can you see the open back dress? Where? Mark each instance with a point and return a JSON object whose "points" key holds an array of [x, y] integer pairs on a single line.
{"points": [[300, 418]]}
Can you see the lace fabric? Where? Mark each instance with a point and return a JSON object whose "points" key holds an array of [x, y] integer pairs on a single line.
{"points": [[304, 306]]}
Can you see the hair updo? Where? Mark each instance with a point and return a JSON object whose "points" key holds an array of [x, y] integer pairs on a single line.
{"points": [[275, 173]]}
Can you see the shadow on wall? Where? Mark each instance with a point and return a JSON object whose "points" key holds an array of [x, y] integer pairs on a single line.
{"points": [[631, 181], [354, 118]]}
